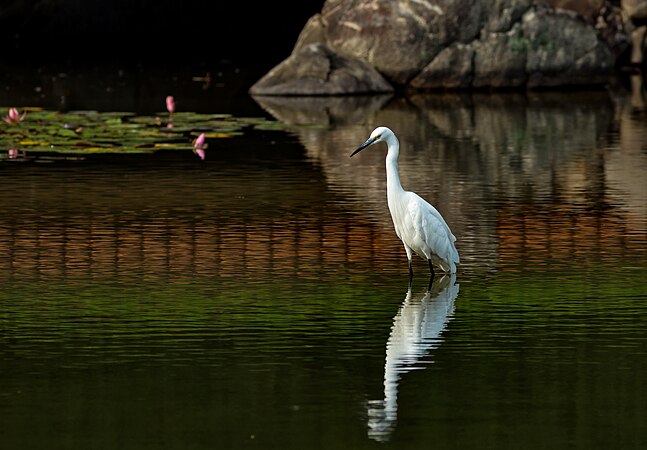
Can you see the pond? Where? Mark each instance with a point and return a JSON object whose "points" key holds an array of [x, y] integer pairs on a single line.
{"points": [[259, 298]]}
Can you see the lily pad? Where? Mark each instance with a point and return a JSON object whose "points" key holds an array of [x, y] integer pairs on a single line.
{"points": [[44, 131]]}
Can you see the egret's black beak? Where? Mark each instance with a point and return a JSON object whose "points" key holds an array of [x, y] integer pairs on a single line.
{"points": [[368, 142]]}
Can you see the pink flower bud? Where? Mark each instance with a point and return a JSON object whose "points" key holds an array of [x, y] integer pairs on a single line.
{"points": [[199, 142], [170, 104]]}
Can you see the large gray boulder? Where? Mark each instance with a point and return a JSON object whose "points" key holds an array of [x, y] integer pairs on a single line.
{"points": [[563, 49], [543, 48], [442, 44], [315, 70], [399, 38]]}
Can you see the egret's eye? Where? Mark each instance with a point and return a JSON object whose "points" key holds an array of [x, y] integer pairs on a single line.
{"points": [[378, 136]]}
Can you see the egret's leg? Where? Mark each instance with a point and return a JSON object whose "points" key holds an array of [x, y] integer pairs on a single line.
{"points": [[409, 257], [431, 268]]}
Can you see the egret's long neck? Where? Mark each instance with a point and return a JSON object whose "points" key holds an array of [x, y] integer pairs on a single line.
{"points": [[393, 186]]}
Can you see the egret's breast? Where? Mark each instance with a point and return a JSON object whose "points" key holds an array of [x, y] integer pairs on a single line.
{"points": [[400, 218]]}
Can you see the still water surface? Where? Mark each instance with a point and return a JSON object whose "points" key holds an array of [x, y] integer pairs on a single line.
{"points": [[259, 298]]}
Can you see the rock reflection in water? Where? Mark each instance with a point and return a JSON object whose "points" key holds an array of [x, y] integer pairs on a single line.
{"points": [[417, 329], [322, 110]]}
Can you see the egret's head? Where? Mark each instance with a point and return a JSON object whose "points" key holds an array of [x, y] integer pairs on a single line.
{"points": [[380, 134]]}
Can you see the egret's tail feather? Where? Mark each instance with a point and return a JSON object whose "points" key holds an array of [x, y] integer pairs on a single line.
{"points": [[445, 266]]}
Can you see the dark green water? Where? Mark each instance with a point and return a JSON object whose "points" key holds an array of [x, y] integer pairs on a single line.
{"points": [[259, 298]]}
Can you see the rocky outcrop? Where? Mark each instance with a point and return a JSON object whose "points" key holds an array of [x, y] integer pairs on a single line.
{"points": [[315, 70], [436, 44], [542, 49]]}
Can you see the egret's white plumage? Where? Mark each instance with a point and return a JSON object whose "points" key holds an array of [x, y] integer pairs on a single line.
{"points": [[417, 223]]}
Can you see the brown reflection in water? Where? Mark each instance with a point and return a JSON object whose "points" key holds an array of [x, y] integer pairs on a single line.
{"points": [[130, 244], [561, 236]]}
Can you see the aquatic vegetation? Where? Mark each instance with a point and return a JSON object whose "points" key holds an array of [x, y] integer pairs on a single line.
{"points": [[87, 132]]}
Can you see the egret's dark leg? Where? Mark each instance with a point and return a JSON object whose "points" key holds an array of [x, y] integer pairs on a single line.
{"points": [[431, 268], [409, 258]]}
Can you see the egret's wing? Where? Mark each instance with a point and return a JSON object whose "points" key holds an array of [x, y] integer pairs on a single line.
{"points": [[431, 228], [427, 226], [431, 211]]}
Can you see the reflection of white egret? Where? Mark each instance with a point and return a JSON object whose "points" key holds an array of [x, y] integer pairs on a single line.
{"points": [[418, 224], [416, 330]]}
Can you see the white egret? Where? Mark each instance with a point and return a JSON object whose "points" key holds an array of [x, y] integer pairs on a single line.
{"points": [[419, 225]]}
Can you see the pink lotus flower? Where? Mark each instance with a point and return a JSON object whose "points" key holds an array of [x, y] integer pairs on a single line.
{"points": [[199, 146], [13, 153], [170, 104], [14, 116], [199, 141]]}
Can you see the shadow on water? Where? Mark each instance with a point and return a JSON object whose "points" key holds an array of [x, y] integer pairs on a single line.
{"points": [[417, 329]]}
